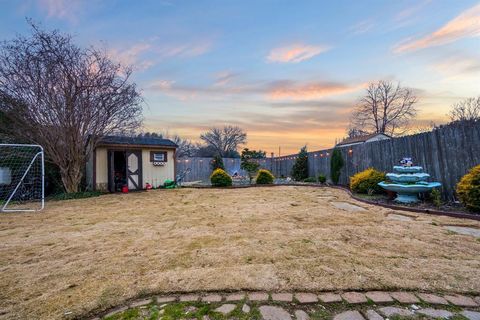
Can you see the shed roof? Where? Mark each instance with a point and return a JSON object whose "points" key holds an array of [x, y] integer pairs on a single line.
{"points": [[137, 141], [361, 139]]}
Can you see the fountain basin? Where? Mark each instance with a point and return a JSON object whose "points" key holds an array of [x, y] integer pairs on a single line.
{"points": [[407, 178], [407, 193], [402, 169]]}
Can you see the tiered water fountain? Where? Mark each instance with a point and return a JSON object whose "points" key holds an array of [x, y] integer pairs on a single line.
{"points": [[408, 181]]}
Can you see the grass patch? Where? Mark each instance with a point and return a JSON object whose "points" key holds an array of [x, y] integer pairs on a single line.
{"points": [[75, 195]]}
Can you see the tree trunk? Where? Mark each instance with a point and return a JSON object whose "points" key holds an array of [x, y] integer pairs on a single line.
{"points": [[71, 177]]}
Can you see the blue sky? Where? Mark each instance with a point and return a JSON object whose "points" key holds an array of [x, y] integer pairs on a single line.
{"points": [[288, 72]]}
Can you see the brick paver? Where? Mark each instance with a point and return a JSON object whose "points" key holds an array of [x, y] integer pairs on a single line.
{"points": [[379, 296], [432, 298], [282, 297], [461, 301], [189, 297], [349, 315], [436, 313], [404, 297], [392, 311], [274, 313], [212, 298], [471, 315], [165, 299], [235, 297], [304, 297], [373, 315], [330, 297], [226, 308], [140, 303], [354, 297], [301, 315], [258, 296]]}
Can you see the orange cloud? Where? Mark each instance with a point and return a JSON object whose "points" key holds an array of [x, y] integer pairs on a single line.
{"points": [[295, 53], [466, 25], [288, 91]]}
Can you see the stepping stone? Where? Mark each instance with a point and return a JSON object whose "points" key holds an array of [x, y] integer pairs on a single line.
{"points": [[471, 315], [258, 296], [349, 315], [306, 297], [274, 313], [235, 297], [379, 296], [226, 308], [435, 313], [246, 308], [398, 217], [165, 299], [373, 315], [115, 311], [191, 309], [212, 298], [330, 297], [404, 297], [189, 298], [354, 297], [347, 206], [282, 297], [392, 311], [140, 303], [461, 301], [301, 315], [431, 298], [465, 230], [477, 299]]}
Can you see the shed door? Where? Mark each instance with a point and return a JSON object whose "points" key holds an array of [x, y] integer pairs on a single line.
{"points": [[134, 170]]}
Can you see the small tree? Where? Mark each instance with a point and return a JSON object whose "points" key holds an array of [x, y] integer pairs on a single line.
{"points": [[336, 165], [65, 98], [217, 163], [466, 110], [249, 162], [300, 167]]}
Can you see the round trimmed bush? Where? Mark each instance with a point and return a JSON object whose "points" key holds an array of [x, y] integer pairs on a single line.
{"points": [[322, 178], [367, 181], [220, 178], [468, 189], [264, 177], [310, 180]]}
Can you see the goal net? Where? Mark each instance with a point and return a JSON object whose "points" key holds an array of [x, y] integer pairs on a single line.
{"points": [[21, 177]]}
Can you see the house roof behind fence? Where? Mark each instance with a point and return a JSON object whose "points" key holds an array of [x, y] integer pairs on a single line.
{"points": [[360, 139], [137, 141]]}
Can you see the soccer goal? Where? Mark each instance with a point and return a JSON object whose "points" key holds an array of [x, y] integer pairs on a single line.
{"points": [[21, 178]]}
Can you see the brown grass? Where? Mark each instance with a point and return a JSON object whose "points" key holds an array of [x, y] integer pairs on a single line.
{"points": [[91, 254]]}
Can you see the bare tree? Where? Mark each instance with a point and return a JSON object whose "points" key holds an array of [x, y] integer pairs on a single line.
{"points": [[385, 108], [65, 98], [224, 140], [185, 147], [466, 110]]}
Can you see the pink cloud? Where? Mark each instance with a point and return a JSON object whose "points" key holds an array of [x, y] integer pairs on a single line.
{"points": [[295, 53], [62, 9], [289, 91], [466, 25], [132, 56]]}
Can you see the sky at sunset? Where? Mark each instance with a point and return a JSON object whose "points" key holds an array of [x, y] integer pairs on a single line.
{"points": [[288, 72]]}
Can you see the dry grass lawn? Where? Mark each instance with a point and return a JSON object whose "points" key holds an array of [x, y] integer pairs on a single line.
{"points": [[91, 254]]}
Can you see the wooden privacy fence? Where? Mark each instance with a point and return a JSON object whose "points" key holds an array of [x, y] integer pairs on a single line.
{"points": [[446, 153]]}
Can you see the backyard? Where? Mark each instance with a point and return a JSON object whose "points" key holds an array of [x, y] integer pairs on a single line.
{"points": [[79, 257]]}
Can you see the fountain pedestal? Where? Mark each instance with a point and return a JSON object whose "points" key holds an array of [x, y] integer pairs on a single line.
{"points": [[408, 182]]}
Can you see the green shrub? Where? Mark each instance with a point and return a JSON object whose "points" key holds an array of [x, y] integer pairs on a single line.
{"points": [[436, 197], [76, 195], [310, 179], [322, 178], [220, 178], [217, 163], [367, 181], [468, 189], [336, 165], [264, 177], [300, 167]]}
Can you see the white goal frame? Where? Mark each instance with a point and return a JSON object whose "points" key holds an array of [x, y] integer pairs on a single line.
{"points": [[40, 154]]}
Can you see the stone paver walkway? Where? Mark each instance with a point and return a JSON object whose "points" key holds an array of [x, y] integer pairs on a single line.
{"points": [[372, 305]]}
